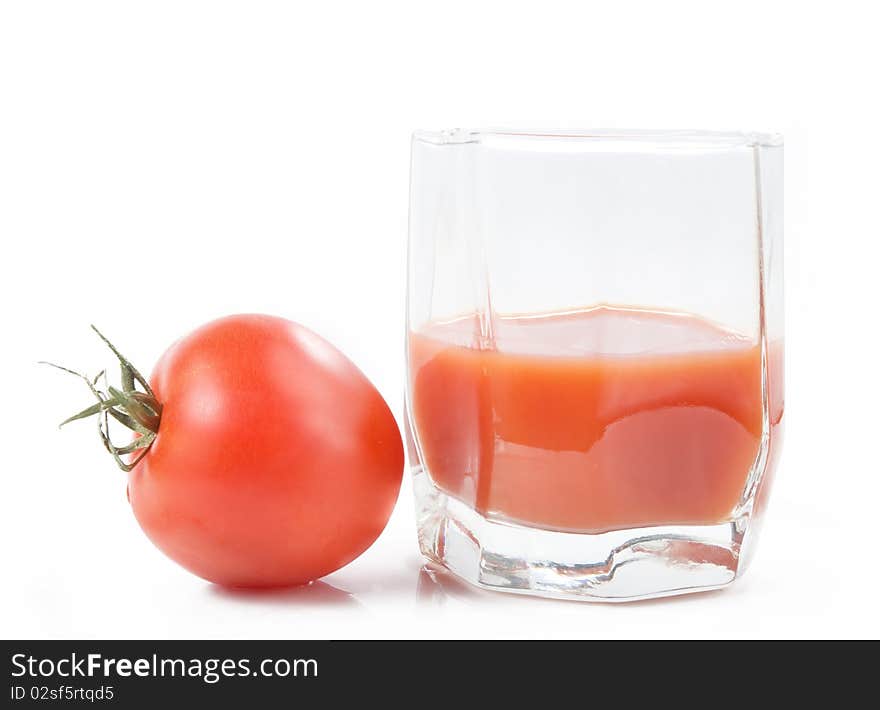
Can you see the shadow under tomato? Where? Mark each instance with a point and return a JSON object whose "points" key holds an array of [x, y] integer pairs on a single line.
{"points": [[311, 594], [396, 581]]}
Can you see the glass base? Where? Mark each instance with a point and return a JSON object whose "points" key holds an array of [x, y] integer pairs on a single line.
{"points": [[622, 565]]}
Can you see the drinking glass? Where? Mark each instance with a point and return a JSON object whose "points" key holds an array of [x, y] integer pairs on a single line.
{"points": [[594, 356]]}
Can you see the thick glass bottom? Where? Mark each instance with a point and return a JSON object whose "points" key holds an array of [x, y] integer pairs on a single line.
{"points": [[622, 565]]}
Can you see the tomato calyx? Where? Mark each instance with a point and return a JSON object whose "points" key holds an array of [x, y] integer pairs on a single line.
{"points": [[136, 410]]}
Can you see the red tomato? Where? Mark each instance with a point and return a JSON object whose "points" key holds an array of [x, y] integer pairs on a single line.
{"points": [[276, 461]]}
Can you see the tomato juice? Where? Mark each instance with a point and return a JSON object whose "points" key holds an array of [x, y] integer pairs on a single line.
{"points": [[590, 420]]}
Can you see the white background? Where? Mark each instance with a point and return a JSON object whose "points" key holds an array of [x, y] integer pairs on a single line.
{"points": [[165, 163]]}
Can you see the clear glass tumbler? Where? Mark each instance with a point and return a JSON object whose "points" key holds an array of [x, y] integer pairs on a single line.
{"points": [[594, 349]]}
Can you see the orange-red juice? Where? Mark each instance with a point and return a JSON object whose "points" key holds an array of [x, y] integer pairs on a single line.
{"points": [[589, 420]]}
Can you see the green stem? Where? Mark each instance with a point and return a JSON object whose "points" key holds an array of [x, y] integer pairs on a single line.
{"points": [[138, 411]]}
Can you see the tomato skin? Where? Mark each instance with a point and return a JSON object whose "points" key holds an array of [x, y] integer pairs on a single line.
{"points": [[276, 462]]}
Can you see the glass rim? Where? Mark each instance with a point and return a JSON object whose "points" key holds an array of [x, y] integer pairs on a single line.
{"points": [[665, 138]]}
